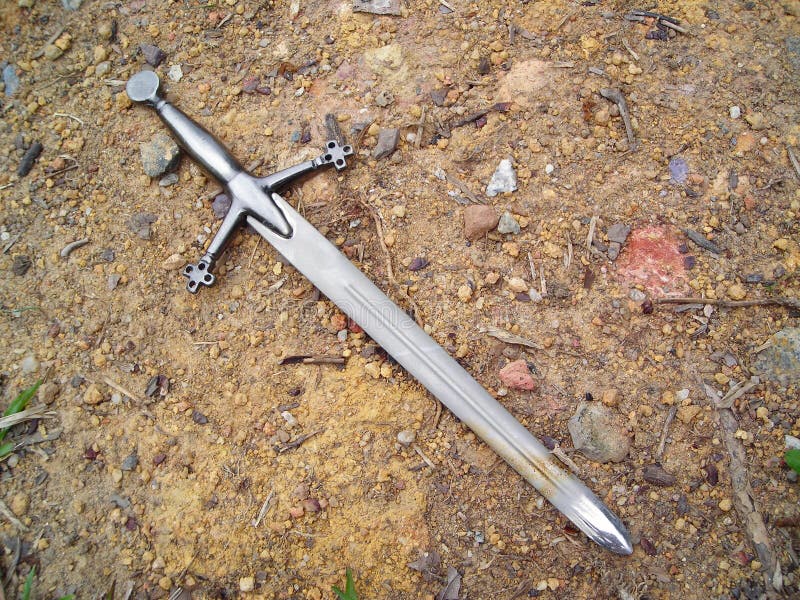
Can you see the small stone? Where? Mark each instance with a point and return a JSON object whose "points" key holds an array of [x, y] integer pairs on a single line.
{"points": [[10, 79], [52, 52], [100, 54], [102, 69], [373, 369], [296, 512], [20, 503], [130, 462], [548, 169], [736, 292], [656, 475], [517, 376], [165, 583], [384, 99], [387, 143], [93, 395], [618, 232], [29, 364], [105, 30], [140, 224], [398, 211], [780, 360], [116, 475], [113, 281], [20, 265], [610, 397], [614, 248], [159, 155], [71, 4], [311, 505], [596, 433], [168, 180], [781, 244], [153, 55], [48, 392], [678, 169], [199, 417], [417, 264], [479, 219], [290, 419], [247, 584], [735, 112], [637, 295], [725, 504], [406, 437], [504, 179], [517, 285], [508, 224], [756, 121], [175, 73], [464, 293], [221, 205], [686, 414]]}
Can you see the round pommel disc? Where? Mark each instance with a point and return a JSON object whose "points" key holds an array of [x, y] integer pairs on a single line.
{"points": [[143, 87]]}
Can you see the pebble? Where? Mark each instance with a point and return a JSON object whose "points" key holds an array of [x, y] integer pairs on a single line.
{"points": [[686, 414], [52, 52], [387, 143], [29, 364], [417, 264], [735, 112], [221, 205], [165, 583], [479, 220], [159, 155], [116, 475], [618, 232], [637, 295], [130, 462], [780, 361], [406, 437], [464, 293], [596, 433], [736, 292], [549, 168], [290, 419], [678, 169], [29, 159], [21, 264], [508, 224], [93, 395], [48, 392], [517, 285], [10, 80], [373, 369], [725, 504], [140, 224], [71, 4], [517, 376], [20, 503], [113, 281], [756, 121], [247, 584], [153, 55], [175, 73], [504, 179], [657, 475], [168, 180], [199, 417], [398, 211], [102, 69]]}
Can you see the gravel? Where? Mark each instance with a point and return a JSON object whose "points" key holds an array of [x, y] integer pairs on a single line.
{"points": [[597, 434], [503, 180], [159, 155]]}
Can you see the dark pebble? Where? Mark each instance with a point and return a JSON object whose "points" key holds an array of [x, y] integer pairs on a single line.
{"points": [[221, 205], [107, 255], [264, 89], [131, 524], [656, 475], [77, 381], [484, 67], [140, 224], [648, 547], [712, 474], [418, 264], [21, 265], [702, 241], [159, 458], [152, 54], [158, 384], [387, 143], [29, 158], [199, 417], [250, 85], [753, 278], [647, 307], [305, 137], [689, 262], [438, 97], [548, 442], [89, 454]]}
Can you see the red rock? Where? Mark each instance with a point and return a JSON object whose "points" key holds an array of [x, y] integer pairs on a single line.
{"points": [[516, 375], [651, 258], [479, 220]]}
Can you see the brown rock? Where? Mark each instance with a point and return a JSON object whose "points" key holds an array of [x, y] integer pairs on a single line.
{"points": [[93, 395], [479, 220]]}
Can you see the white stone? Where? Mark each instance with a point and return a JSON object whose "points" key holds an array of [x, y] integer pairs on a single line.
{"points": [[503, 180], [175, 73], [735, 112]]}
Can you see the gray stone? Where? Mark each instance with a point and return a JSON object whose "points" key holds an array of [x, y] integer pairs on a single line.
{"points": [[10, 80], [406, 437], [387, 143], [71, 4], [221, 205], [140, 224], [159, 155], [168, 180], [130, 462], [113, 281], [103, 68], [508, 224], [618, 232], [378, 7], [780, 361], [175, 73], [29, 364], [504, 179], [614, 249], [597, 434]]}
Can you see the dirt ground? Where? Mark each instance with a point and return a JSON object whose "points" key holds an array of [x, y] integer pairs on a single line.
{"points": [[181, 457]]}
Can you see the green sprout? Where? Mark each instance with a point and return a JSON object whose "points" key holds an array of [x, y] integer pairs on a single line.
{"points": [[26, 590], [17, 405], [792, 458], [349, 592]]}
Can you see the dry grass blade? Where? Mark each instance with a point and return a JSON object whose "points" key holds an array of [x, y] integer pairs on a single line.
{"points": [[509, 338], [37, 412], [777, 301]]}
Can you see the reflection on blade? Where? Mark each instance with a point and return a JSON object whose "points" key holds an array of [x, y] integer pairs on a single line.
{"points": [[336, 277]]}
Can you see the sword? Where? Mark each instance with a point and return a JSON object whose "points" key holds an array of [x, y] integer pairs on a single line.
{"points": [[257, 202]]}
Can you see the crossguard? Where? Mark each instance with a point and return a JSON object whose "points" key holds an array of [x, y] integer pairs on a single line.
{"points": [[250, 196], [335, 155]]}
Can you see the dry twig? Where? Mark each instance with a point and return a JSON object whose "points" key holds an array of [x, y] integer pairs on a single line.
{"points": [[663, 441], [776, 301]]}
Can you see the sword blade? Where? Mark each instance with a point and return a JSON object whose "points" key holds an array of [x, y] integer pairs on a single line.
{"points": [[347, 287]]}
